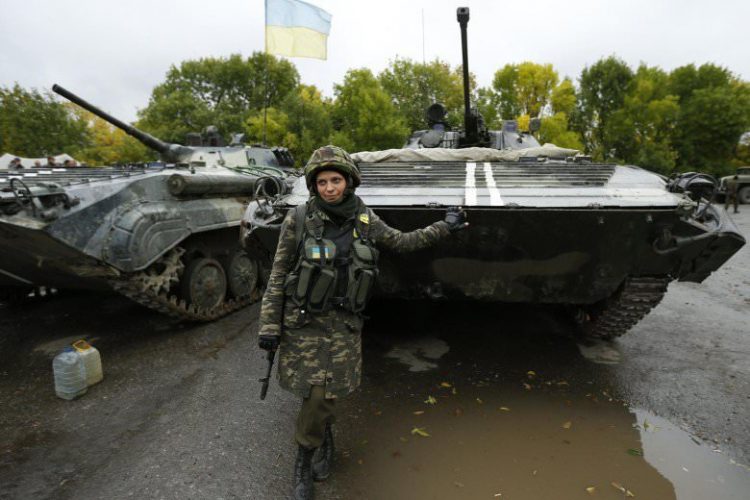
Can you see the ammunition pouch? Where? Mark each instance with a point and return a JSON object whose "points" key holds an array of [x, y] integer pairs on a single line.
{"points": [[312, 285], [363, 271]]}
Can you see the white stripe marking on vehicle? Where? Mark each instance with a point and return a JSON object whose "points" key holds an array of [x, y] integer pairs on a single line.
{"points": [[470, 197], [495, 198], [15, 276]]}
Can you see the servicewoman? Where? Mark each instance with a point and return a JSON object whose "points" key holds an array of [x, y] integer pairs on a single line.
{"points": [[323, 272]]}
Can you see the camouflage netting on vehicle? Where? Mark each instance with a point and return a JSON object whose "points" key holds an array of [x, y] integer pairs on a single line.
{"points": [[466, 154]]}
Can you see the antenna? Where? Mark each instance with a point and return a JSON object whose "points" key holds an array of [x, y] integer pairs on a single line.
{"points": [[423, 58]]}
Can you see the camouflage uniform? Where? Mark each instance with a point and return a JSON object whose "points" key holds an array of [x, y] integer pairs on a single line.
{"points": [[731, 196], [325, 349]]}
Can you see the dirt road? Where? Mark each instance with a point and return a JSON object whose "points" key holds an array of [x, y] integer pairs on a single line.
{"points": [[457, 402]]}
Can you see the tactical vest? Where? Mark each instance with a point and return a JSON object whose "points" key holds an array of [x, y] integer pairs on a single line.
{"points": [[312, 285]]}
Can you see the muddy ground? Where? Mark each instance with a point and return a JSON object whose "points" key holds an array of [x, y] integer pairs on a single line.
{"points": [[458, 401]]}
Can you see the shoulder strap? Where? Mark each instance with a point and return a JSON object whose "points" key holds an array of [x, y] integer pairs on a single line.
{"points": [[299, 222], [362, 223]]}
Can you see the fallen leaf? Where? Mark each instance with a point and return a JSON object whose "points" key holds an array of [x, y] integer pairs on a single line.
{"points": [[360, 461], [618, 486], [533, 473], [480, 401], [403, 439], [419, 431], [526, 386], [591, 490], [396, 454], [446, 385], [498, 494], [567, 425], [635, 453], [458, 485], [624, 490], [430, 400], [378, 413], [504, 408], [420, 412]]}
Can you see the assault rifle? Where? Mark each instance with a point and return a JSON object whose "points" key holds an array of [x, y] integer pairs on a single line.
{"points": [[267, 378]]}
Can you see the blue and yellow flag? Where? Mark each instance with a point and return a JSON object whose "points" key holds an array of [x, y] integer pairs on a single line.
{"points": [[296, 29]]}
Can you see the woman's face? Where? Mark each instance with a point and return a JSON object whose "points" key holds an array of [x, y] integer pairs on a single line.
{"points": [[331, 185]]}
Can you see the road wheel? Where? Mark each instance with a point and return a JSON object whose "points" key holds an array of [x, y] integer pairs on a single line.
{"points": [[242, 274], [204, 283], [744, 195]]}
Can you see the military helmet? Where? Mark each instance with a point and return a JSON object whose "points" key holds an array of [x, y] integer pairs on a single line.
{"points": [[331, 158]]}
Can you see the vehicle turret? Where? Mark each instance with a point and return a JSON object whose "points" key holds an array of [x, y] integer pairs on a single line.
{"points": [[475, 132], [206, 150]]}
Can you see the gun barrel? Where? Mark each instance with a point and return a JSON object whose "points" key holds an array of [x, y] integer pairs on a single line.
{"points": [[462, 13], [265, 381], [147, 139]]}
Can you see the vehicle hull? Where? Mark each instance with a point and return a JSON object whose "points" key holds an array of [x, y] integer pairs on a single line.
{"points": [[555, 256]]}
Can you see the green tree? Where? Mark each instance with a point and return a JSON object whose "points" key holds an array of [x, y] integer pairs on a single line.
{"points": [[108, 145], [34, 124], [277, 128], [641, 131], [714, 114], [216, 91], [414, 86], [364, 117], [555, 130], [602, 89], [309, 119], [710, 125], [520, 91], [302, 123], [525, 88]]}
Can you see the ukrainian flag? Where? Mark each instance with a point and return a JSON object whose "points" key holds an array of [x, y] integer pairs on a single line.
{"points": [[296, 29]]}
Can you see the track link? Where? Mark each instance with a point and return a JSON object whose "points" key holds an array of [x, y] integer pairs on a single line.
{"points": [[619, 313], [151, 288]]}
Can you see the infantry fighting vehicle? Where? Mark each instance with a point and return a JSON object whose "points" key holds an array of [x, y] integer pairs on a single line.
{"points": [[548, 225], [164, 236]]}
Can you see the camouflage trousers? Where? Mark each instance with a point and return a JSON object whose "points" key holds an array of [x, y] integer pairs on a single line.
{"points": [[315, 413], [320, 349], [731, 199]]}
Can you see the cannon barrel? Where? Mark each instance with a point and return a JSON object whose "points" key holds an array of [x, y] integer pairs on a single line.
{"points": [[199, 184], [168, 151], [471, 127]]}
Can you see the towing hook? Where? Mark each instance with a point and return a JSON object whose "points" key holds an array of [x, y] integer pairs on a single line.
{"points": [[667, 243]]}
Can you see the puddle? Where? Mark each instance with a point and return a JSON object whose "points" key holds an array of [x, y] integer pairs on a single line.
{"points": [[600, 352], [697, 471], [486, 444], [419, 354], [470, 435]]}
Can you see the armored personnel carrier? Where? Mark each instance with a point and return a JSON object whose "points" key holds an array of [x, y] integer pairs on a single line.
{"points": [[164, 236], [548, 225]]}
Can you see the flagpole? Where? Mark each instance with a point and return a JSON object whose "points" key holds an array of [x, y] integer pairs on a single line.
{"points": [[265, 73]]}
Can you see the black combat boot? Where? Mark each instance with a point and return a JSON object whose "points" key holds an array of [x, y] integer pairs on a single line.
{"points": [[303, 480], [323, 459]]}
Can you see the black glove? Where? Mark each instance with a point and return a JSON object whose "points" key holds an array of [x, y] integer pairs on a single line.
{"points": [[268, 342], [456, 219]]}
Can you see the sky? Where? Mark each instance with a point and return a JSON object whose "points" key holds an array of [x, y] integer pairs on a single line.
{"points": [[113, 53]]}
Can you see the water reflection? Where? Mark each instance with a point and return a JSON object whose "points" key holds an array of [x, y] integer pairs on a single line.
{"points": [[511, 410]]}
